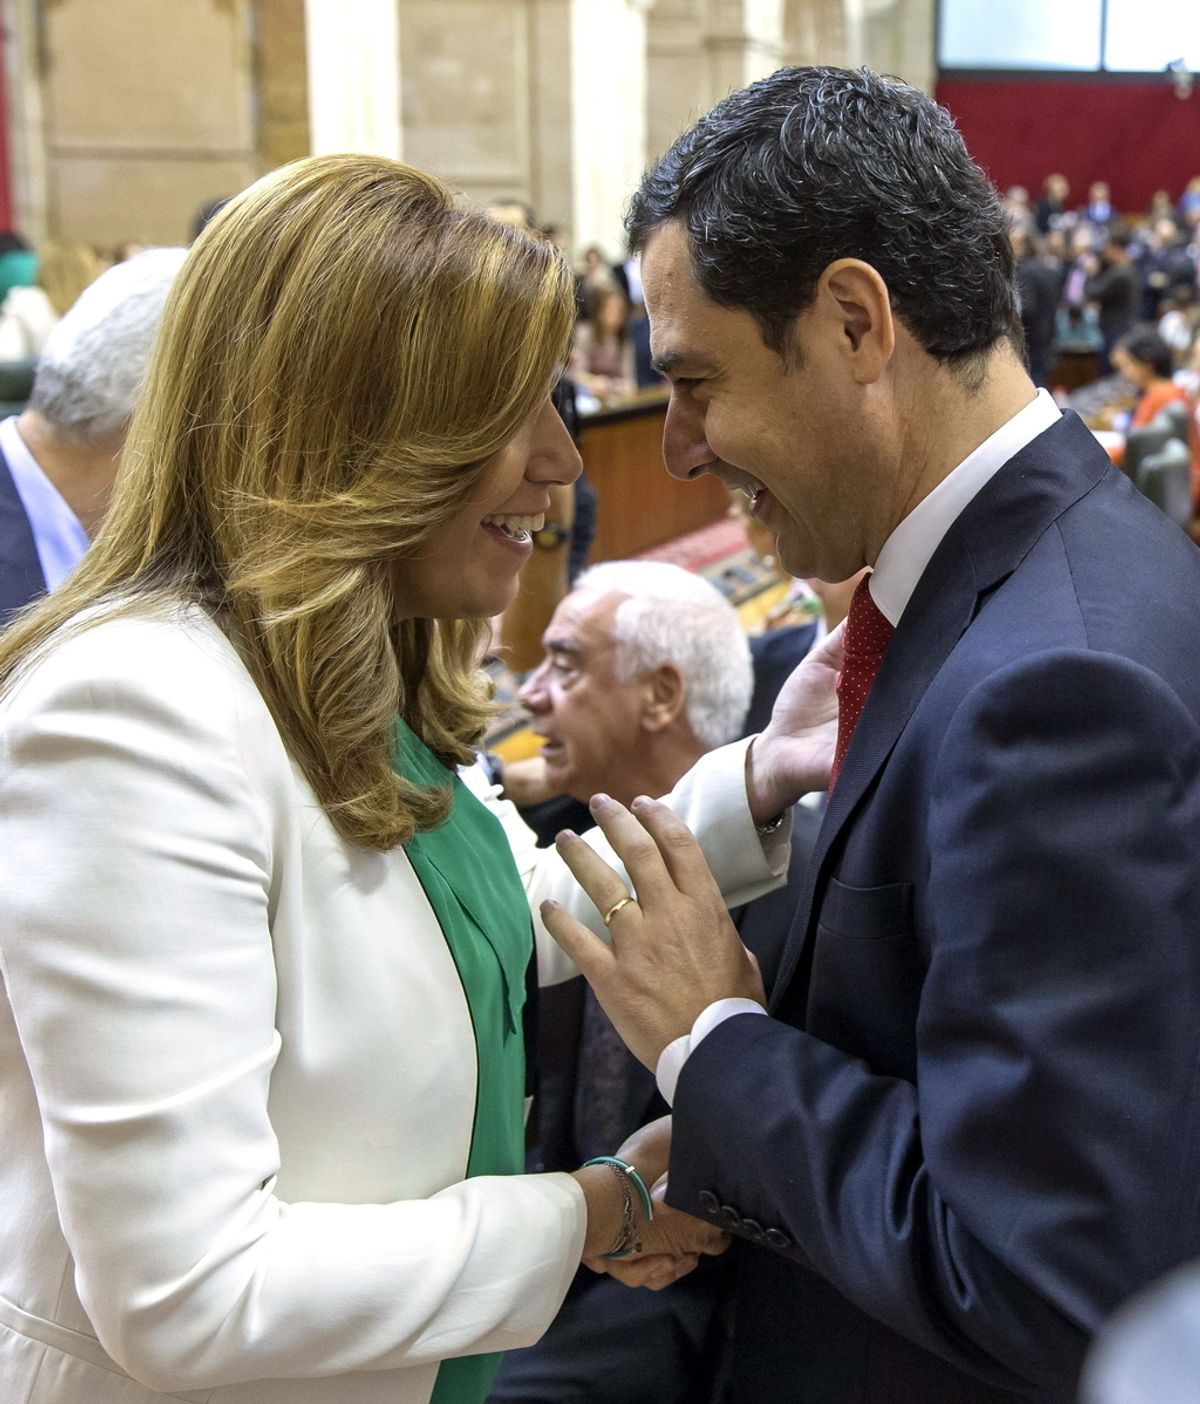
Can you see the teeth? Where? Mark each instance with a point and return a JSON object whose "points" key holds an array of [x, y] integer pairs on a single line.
{"points": [[517, 526]]}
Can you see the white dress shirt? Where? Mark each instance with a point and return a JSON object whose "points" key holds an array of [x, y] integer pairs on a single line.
{"points": [[901, 563], [58, 534]]}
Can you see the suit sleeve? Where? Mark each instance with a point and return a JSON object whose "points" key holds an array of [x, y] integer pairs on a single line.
{"points": [[1044, 1164], [138, 879], [711, 801]]}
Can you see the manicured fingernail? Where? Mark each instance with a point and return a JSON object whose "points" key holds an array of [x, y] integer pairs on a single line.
{"points": [[565, 836], [641, 802], [599, 802], [549, 905]]}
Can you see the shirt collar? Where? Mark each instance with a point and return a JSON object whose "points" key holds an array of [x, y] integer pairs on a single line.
{"points": [[909, 549]]}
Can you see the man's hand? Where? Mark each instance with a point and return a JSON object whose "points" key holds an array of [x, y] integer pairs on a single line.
{"points": [[674, 950], [649, 1148], [525, 782], [794, 754]]}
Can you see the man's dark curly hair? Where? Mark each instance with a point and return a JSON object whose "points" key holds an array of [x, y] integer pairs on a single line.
{"points": [[815, 164]]}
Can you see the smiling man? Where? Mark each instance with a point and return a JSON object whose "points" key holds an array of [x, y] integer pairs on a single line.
{"points": [[970, 1125]]}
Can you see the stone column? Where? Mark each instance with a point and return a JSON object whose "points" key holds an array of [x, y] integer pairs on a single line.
{"points": [[486, 98], [28, 163], [677, 79], [353, 76], [608, 119], [899, 37], [744, 40], [281, 81]]}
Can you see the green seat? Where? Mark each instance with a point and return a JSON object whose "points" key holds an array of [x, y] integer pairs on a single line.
{"points": [[1166, 479], [1141, 443], [1176, 417]]}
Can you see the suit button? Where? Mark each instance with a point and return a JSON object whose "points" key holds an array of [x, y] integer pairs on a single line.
{"points": [[710, 1203], [778, 1239], [731, 1218], [753, 1230]]}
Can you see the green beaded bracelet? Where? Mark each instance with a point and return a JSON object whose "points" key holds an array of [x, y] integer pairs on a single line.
{"points": [[631, 1173]]}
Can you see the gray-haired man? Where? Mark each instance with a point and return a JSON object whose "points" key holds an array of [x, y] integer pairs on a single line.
{"points": [[58, 459]]}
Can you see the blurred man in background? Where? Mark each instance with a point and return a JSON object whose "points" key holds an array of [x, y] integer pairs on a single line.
{"points": [[59, 458]]}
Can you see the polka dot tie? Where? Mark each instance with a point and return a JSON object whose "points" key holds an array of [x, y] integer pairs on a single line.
{"points": [[868, 634]]}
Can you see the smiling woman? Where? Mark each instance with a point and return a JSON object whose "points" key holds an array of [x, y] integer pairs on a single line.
{"points": [[264, 954]]}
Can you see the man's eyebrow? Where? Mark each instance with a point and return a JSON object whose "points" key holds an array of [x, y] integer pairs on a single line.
{"points": [[670, 362], [567, 646]]}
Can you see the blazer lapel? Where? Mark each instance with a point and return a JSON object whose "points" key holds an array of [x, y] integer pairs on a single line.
{"points": [[21, 577], [985, 545]]}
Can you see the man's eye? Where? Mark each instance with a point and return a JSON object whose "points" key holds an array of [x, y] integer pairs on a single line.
{"points": [[561, 665]]}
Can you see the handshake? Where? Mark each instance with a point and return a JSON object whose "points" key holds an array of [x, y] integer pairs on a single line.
{"points": [[661, 1250]]}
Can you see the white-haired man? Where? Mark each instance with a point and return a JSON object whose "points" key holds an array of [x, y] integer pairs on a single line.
{"points": [[646, 669], [59, 457]]}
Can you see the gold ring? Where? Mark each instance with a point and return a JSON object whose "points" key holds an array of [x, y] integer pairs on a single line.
{"points": [[613, 910]]}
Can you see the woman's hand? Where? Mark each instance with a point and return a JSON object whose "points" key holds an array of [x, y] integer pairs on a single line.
{"points": [[673, 1243], [793, 755], [672, 1246]]}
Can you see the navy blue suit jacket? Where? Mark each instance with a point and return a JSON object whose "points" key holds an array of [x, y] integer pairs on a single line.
{"points": [[21, 577], [972, 1126]]}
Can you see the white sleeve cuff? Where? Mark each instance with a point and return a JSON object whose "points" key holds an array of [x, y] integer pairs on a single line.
{"points": [[676, 1053]]}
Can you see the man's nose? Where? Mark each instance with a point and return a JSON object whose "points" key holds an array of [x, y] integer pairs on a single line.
{"points": [[685, 449], [532, 692]]}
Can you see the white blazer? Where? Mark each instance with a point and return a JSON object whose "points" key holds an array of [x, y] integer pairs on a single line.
{"points": [[237, 1071]]}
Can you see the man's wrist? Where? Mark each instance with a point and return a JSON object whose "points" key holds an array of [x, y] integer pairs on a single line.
{"points": [[764, 795], [670, 1062]]}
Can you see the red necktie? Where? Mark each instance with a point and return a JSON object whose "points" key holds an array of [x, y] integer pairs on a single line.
{"points": [[868, 634]]}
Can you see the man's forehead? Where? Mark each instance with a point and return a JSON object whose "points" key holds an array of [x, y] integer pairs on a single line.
{"points": [[688, 330], [584, 619], [672, 293]]}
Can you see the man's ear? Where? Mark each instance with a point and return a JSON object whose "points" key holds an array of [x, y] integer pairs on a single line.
{"points": [[663, 695], [853, 295]]}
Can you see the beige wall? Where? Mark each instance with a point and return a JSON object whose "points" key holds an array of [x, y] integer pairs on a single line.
{"points": [[486, 97], [146, 111], [126, 115]]}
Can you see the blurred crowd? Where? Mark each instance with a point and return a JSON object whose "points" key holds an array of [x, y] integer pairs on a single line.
{"points": [[1089, 273]]}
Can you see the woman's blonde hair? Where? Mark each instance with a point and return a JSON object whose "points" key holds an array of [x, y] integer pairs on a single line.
{"points": [[343, 350]]}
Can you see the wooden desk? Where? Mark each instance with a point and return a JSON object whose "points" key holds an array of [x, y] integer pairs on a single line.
{"points": [[1075, 368], [639, 504]]}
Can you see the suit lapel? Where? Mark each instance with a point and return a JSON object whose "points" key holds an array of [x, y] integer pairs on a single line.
{"points": [[983, 547], [21, 577]]}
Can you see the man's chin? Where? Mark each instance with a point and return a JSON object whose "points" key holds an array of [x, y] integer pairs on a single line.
{"points": [[559, 780]]}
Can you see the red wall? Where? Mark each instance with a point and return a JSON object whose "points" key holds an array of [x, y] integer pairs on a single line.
{"points": [[1136, 135], [5, 179]]}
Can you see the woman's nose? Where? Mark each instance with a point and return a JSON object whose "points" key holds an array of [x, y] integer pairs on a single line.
{"points": [[555, 459]]}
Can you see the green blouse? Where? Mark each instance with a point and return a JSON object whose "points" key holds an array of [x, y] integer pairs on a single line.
{"points": [[467, 872]]}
